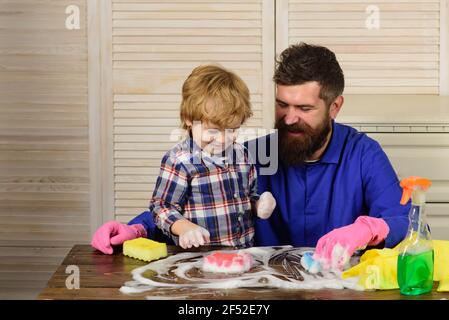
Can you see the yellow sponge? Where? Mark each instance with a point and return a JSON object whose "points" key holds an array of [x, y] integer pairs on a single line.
{"points": [[144, 249]]}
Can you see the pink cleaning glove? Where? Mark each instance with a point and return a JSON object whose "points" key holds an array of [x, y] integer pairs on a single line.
{"points": [[335, 248], [113, 233]]}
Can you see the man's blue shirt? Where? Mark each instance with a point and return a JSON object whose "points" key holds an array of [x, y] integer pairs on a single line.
{"points": [[353, 177]]}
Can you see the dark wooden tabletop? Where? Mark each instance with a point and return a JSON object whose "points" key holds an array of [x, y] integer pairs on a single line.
{"points": [[101, 277]]}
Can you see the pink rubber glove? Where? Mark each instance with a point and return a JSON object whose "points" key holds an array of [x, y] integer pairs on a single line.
{"points": [[335, 248], [113, 233]]}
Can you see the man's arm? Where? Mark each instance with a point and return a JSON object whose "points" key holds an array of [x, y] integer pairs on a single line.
{"points": [[382, 192], [387, 219], [146, 219]]}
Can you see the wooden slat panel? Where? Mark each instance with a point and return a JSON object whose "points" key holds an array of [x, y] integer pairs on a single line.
{"points": [[407, 39], [176, 23], [389, 109], [186, 1], [187, 6], [182, 15], [134, 178], [424, 155], [134, 186], [44, 169], [188, 65], [323, 6], [386, 23], [155, 47], [357, 15], [365, 2], [392, 90], [43, 109], [438, 219], [192, 40], [372, 40], [188, 56], [250, 32]]}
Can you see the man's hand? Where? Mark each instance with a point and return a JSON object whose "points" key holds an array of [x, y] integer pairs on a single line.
{"points": [[190, 234], [114, 233], [335, 248], [265, 205]]}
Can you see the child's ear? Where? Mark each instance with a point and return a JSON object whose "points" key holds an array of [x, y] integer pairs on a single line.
{"points": [[189, 123]]}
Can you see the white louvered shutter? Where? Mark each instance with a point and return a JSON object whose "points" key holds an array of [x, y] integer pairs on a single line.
{"points": [[155, 47], [401, 56]]}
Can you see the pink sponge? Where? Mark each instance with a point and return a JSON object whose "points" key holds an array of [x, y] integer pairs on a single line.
{"points": [[228, 262]]}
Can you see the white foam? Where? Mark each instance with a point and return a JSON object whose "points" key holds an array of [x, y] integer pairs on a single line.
{"points": [[261, 276]]}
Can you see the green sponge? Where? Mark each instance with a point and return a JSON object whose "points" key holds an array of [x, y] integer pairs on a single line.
{"points": [[144, 249]]}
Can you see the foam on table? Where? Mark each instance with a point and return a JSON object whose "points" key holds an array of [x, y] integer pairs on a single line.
{"points": [[177, 276], [144, 249]]}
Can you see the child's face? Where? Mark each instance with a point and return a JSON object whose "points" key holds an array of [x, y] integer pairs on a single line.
{"points": [[211, 138]]}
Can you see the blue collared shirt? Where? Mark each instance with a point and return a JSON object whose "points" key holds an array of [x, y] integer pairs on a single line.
{"points": [[353, 177]]}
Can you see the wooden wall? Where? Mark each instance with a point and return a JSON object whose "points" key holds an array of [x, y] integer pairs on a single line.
{"points": [[397, 55], [44, 147]]}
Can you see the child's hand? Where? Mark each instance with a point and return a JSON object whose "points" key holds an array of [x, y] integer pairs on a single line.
{"points": [[265, 205], [196, 237], [190, 234], [115, 233]]}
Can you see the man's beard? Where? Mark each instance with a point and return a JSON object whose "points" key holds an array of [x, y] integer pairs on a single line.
{"points": [[296, 150]]}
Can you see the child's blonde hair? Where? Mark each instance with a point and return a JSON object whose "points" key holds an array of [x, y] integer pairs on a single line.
{"points": [[216, 95]]}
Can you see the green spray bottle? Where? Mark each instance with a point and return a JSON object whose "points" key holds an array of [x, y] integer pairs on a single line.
{"points": [[415, 260]]}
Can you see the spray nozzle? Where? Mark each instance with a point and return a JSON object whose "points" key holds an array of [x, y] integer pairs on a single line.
{"points": [[411, 184]]}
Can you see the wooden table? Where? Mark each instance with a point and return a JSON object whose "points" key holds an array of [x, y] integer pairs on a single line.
{"points": [[101, 276]]}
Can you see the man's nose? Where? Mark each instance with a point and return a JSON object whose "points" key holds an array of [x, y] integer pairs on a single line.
{"points": [[290, 116]]}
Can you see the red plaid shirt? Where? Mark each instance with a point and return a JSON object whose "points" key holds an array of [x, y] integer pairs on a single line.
{"points": [[213, 192]]}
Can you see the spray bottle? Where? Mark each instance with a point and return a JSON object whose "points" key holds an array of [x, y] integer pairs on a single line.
{"points": [[415, 260]]}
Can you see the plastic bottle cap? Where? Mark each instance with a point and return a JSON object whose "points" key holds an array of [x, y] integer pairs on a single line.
{"points": [[413, 183]]}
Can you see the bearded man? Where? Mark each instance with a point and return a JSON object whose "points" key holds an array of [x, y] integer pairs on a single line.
{"points": [[334, 187]]}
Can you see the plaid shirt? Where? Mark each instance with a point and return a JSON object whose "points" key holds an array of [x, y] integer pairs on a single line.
{"points": [[212, 192]]}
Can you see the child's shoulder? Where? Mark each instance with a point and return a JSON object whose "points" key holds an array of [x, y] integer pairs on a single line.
{"points": [[181, 152]]}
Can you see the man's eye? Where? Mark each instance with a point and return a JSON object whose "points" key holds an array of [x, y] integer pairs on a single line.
{"points": [[282, 105]]}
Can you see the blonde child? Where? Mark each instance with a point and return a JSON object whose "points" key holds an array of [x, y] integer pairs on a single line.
{"points": [[206, 191]]}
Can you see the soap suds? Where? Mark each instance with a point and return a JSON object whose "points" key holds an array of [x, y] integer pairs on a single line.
{"points": [[274, 267]]}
